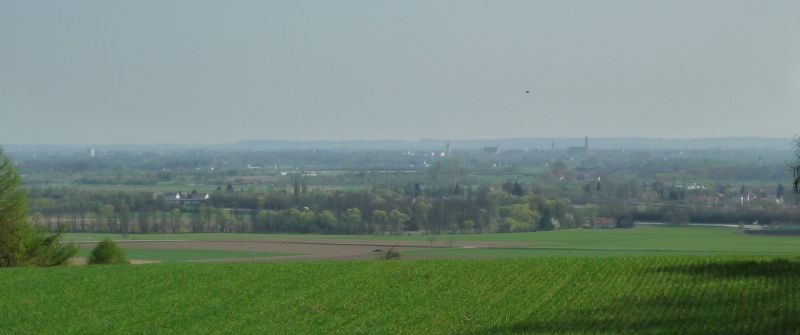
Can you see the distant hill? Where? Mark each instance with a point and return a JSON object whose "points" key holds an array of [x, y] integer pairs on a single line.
{"points": [[630, 143], [427, 144]]}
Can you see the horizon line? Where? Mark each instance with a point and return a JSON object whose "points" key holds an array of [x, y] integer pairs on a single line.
{"points": [[417, 140]]}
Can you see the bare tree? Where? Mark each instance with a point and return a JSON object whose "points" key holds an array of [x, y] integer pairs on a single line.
{"points": [[175, 218], [796, 166]]}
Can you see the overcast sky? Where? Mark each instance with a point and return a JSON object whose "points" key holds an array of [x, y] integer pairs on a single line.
{"points": [[80, 72]]}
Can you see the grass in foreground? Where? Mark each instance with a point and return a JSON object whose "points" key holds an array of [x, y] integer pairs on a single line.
{"points": [[686, 295], [187, 255]]}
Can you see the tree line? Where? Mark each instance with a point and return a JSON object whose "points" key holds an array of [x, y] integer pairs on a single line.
{"points": [[418, 209]]}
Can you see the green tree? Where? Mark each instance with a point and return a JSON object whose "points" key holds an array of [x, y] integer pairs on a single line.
{"points": [[517, 190], [419, 215], [398, 220], [353, 220], [261, 221], [20, 243], [520, 217], [469, 226], [107, 252], [107, 215], [380, 218], [326, 221], [223, 219]]}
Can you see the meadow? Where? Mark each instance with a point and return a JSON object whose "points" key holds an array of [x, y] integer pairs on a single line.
{"points": [[654, 295]]}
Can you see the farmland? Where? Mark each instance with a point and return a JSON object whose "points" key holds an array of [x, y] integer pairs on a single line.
{"points": [[467, 191], [640, 241], [700, 295], [188, 255], [399, 167]]}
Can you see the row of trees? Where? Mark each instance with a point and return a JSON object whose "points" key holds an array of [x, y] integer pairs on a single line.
{"points": [[433, 210], [511, 206], [683, 214]]}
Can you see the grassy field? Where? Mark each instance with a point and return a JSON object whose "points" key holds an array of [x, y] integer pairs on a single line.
{"points": [[542, 253], [161, 187], [654, 295], [187, 255], [645, 239], [185, 187]]}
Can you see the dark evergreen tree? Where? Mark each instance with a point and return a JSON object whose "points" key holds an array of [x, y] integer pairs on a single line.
{"points": [[20, 243], [517, 190], [457, 190]]}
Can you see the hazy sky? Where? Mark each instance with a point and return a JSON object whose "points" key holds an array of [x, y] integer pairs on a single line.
{"points": [[79, 72]]}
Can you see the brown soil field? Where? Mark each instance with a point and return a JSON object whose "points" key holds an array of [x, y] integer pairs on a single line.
{"points": [[305, 250], [84, 261]]}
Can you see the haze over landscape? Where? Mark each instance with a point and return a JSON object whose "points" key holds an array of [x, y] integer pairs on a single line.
{"points": [[399, 167], [148, 72]]}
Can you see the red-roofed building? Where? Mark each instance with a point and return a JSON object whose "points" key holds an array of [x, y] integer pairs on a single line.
{"points": [[604, 223]]}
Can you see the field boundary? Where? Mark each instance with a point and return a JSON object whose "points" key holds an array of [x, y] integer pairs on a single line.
{"points": [[425, 246]]}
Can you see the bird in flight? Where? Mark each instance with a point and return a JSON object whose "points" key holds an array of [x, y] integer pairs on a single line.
{"points": [[528, 91]]}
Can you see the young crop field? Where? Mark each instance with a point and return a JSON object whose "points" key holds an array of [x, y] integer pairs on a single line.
{"points": [[654, 295]]}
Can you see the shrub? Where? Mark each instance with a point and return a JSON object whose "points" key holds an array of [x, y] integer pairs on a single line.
{"points": [[390, 254], [107, 252], [46, 249]]}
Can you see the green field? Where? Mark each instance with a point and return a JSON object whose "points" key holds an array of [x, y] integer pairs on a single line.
{"points": [[203, 188], [666, 295], [161, 187], [642, 239], [187, 255], [542, 252]]}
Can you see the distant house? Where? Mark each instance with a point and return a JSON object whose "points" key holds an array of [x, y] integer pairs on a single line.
{"points": [[491, 150], [179, 199], [604, 223], [706, 200], [764, 193]]}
